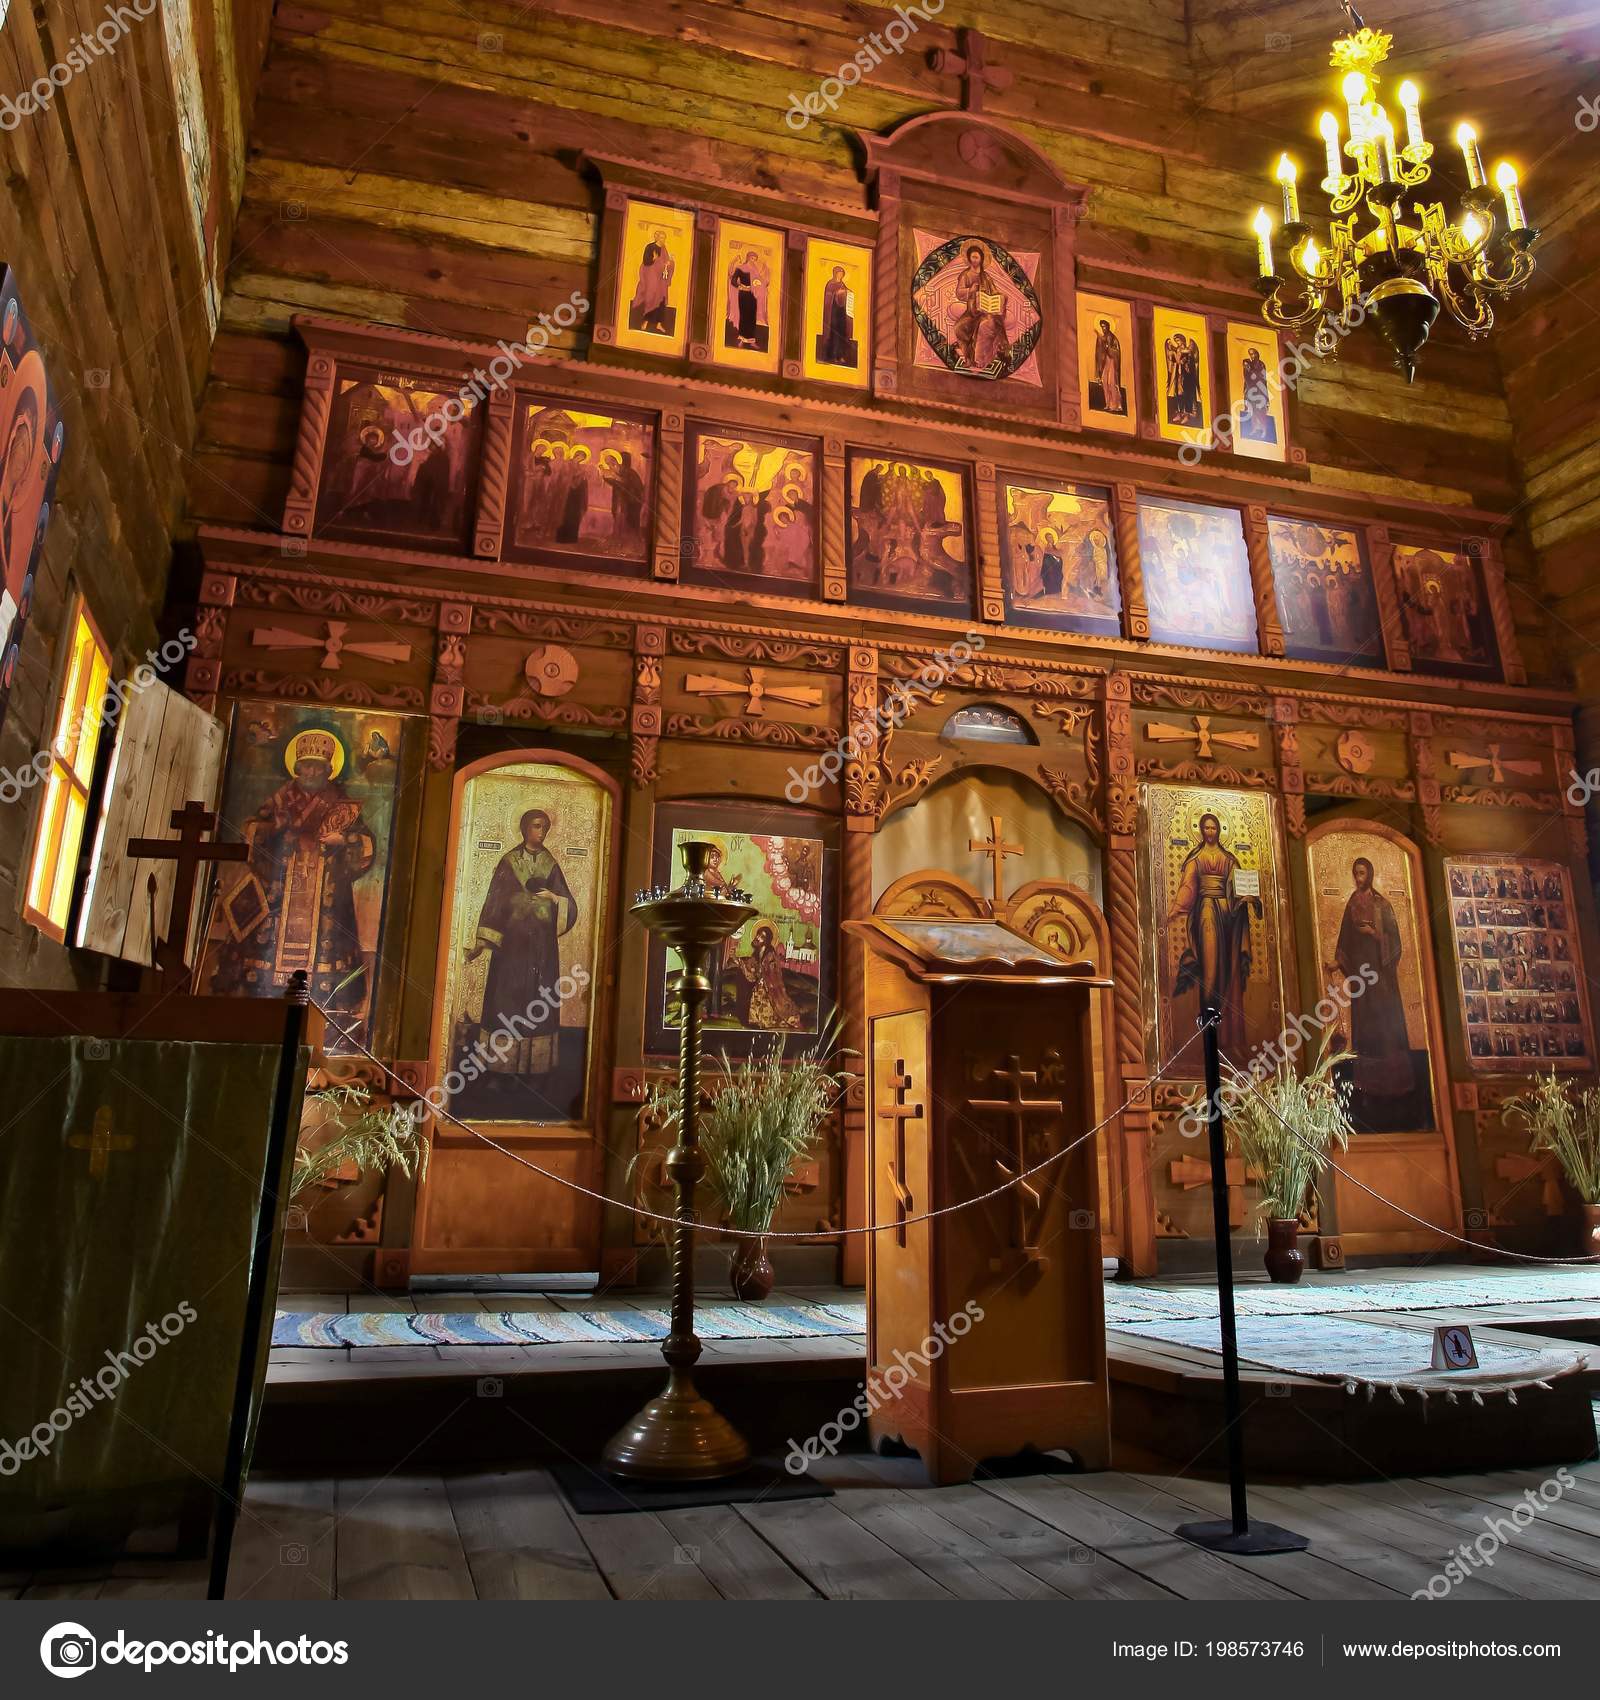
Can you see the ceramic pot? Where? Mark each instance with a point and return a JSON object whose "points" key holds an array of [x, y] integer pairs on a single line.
{"points": [[751, 1272], [1284, 1259]]}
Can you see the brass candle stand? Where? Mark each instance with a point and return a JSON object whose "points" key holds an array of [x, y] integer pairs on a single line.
{"points": [[680, 1435]]}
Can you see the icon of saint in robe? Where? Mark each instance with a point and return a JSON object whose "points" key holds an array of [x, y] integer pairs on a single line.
{"points": [[525, 912], [1257, 422], [771, 1009], [1369, 948], [293, 906], [1105, 390], [1215, 961], [836, 341], [649, 309], [979, 311]]}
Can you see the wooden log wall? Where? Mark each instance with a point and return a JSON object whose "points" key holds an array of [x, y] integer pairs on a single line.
{"points": [[95, 223]]}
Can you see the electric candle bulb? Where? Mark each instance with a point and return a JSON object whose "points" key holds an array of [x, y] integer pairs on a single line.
{"points": [[1354, 89], [1467, 141], [1262, 225], [1329, 126], [1411, 105], [1472, 230], [1505, 180], [1310, 258], [1291, 196]]}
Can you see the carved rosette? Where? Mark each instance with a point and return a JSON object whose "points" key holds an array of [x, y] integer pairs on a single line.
{"points": [[1291, 776], [1125, 519], [494, 475], [991, 592], [305, 471], [669, 495], [1258, 548], [649, 645], [834, 501]]}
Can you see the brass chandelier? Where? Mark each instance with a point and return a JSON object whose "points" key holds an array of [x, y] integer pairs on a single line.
{"points": [[1411, 257]]}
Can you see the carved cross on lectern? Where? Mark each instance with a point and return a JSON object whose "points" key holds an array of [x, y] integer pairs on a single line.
{"points": [[1024, 1196], [191, 823], [900, 1112], [971, 64], [995, 847]]}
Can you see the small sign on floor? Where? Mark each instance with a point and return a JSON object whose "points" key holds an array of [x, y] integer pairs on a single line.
{"points": [[1453, 1348]]}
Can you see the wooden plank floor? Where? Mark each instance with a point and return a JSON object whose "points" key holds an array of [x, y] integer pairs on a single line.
{"points": [[886, 1534]]}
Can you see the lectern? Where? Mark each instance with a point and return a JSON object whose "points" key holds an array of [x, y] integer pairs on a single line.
{"points": [[985, 1327]]}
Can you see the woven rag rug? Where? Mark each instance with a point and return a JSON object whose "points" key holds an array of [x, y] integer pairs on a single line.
{"points": [[1369, 1356], [330, 1329], [1128, 1303]]}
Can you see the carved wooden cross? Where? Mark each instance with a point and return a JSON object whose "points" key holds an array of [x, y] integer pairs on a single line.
{"points": [[332, 644], [1016, 1109], [101, 1142], [191, 822], [754, 689], [1499, 766], [997, 849], [1199, 734], [900, 1112], [1189, 1172], [971, 64]]}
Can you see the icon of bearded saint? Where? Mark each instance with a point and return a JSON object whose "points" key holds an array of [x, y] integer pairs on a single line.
{"points": [[1215, 961]]}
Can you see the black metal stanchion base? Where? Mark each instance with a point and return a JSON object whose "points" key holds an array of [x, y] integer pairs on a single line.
{"points": [[1255, 1537]]}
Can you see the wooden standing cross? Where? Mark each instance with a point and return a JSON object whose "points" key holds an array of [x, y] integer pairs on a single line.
{"points": [[1016, 1109], [191, 822], [900, 1112], [100, 1143], [995, 846], [971, 64]]}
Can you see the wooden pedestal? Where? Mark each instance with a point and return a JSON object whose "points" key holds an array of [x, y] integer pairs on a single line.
{"points": [[986, 1327]]}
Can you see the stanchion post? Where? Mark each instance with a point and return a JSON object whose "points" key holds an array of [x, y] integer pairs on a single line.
{"points": [[1236, 1533]]}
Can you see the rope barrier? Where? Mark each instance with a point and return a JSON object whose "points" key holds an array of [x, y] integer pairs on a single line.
{"points": [[749, 1233]]}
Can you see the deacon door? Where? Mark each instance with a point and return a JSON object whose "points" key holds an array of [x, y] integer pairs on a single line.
{"points": [[520, 1001]]}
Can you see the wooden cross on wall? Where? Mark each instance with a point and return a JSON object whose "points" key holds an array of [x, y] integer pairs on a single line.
{"points": [[900, 1112], [1016, 1109], [1199, 733], [100, 1143], [332, 644], [970, 62], [189, 850], [995, 847]]}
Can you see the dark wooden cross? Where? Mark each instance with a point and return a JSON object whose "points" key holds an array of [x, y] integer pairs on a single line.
{"points": [[900, 1112], [1016, 1109], [189, 850], [970, 62], [995, 846]]}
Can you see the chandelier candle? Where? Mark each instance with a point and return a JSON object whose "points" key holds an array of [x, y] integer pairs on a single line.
{"points": [[1402, 257]]}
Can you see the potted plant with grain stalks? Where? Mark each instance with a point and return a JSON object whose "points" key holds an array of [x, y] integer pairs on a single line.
{"points": [[1566, 1121], [1285, 1126], [763, 1117], [347, 1145]]}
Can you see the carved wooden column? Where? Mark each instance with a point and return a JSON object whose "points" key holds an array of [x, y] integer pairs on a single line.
{"points": [[1269, 630], [202, 674], [305, 471], [669, 495], [649, 645], [862, 794], [1425, 772], [494, 476], [794, 304], [448, 695], [1125, 513], [886, 288], [1063, 244], [991, 592], [835, 504], [1564, 757], [1505, 630], [1380, 557], [1291, 776], [1121, 810]]}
